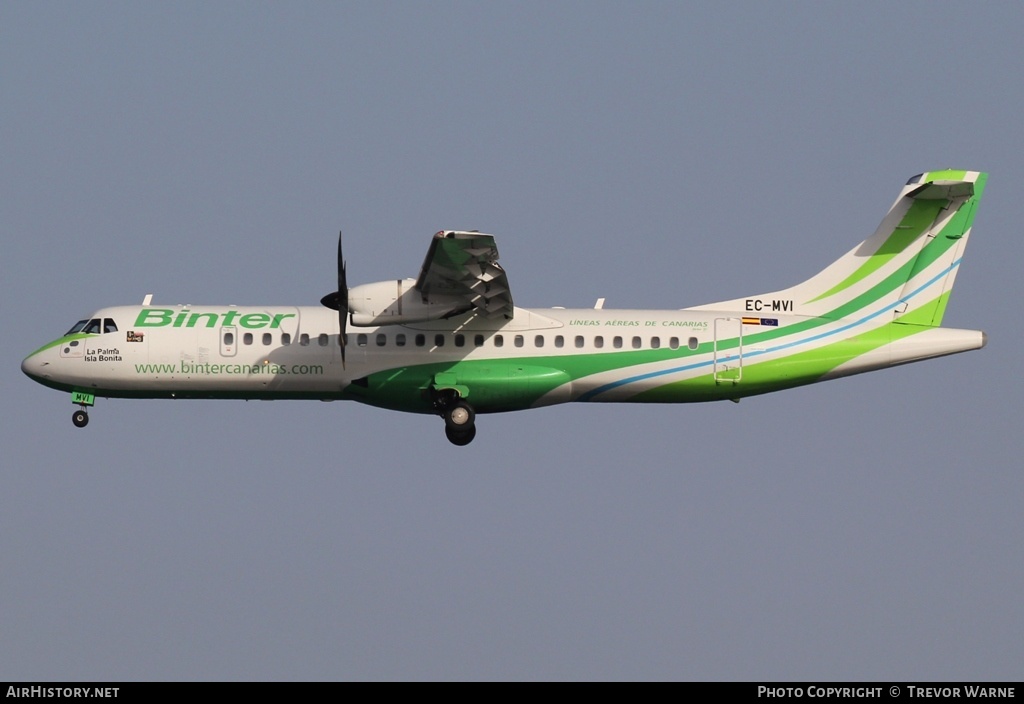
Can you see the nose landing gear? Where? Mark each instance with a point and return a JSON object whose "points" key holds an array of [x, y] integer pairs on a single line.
{"points": [[83, 399], [80, 418]]}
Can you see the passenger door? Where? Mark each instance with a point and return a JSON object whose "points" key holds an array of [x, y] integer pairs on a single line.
{"points": [[728, 351]]}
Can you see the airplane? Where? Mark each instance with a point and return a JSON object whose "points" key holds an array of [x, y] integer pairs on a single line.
{"points": [[452, 343]]}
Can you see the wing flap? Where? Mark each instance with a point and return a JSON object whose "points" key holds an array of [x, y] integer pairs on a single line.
{"points": [[466, 264]]}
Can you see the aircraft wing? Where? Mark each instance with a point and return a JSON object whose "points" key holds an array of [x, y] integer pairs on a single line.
{"points": [[465, 265]]}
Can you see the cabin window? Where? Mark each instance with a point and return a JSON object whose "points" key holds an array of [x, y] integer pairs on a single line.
{"points": [[478, 340], [382, 339], [286, 338], [421, 340], [304, 339], [599, 342], [400, 340], [673, 343], [499, 341], [247, 338], [439, 340], [579, 341], [229, 338], [361, 339], [109, 325], [518, 341], [617, 342], [655, 343], [692, 344], [460, 340], [267, 338], [321, 339], [538, 341], [636, 343], [559, 341]]}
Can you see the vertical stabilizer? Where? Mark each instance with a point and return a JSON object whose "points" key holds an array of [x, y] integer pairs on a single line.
{"points": [[909, 263]]}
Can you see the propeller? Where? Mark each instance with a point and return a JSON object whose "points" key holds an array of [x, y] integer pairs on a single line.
{"points": [[338, 300]]}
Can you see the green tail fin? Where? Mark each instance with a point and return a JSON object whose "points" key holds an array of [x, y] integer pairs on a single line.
{"points": [[909, 263]]}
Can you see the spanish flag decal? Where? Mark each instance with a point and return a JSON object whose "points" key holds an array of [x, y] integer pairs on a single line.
{"points": [[773, 322]]}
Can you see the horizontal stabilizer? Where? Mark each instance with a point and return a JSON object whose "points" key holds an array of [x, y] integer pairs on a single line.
{"points": [[942, 190]]}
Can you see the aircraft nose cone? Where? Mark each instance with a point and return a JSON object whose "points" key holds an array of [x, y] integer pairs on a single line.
{"points": [[34, 366]]}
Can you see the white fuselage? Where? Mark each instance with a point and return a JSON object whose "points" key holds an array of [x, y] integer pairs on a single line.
{"points": [[561, 354]]}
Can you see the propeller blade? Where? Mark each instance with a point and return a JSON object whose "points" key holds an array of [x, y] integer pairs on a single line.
{"points": [[338, 300], [343, 301]]}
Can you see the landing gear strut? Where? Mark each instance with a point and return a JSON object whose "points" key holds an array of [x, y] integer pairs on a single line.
{"points": [[80, 418], [459, 420]]}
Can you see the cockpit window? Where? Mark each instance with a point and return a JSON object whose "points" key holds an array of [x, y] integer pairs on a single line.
{"points": [[94, 325], [77, 327]]}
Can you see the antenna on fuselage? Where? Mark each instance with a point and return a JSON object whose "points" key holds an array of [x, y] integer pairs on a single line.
{"points": [[148, 299]]}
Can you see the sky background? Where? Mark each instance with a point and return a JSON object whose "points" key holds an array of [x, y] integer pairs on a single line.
{"points": [[658, 154]]}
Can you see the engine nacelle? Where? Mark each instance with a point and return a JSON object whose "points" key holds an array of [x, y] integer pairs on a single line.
{"points": [[393, 302]]}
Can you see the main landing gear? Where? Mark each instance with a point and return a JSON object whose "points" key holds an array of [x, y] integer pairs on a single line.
{"points": [[459, 420]]}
